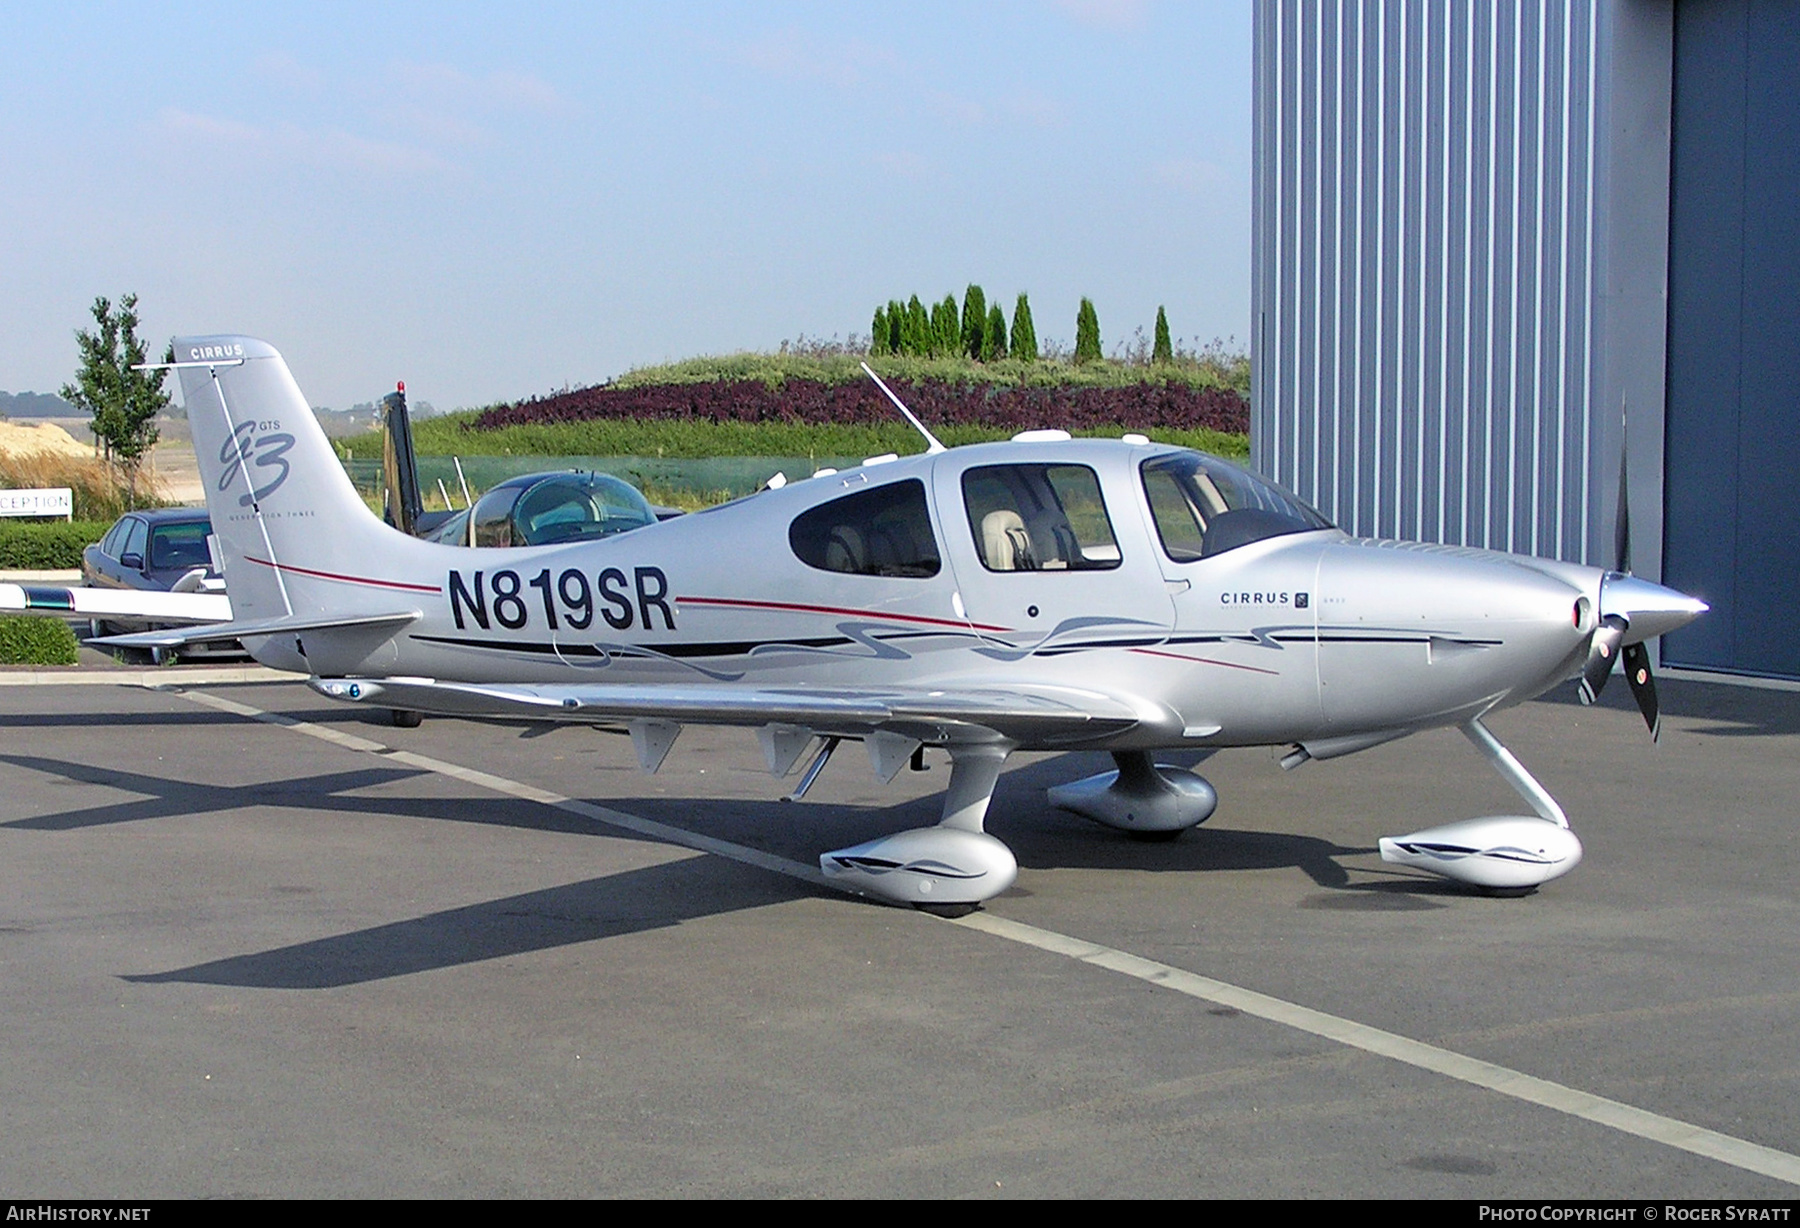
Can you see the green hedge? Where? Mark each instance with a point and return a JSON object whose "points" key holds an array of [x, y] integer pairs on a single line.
{"points": [[28, 640], [52, 546]]}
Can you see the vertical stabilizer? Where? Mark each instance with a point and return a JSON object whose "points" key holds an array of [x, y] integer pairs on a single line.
{"points": [[296, 539]]}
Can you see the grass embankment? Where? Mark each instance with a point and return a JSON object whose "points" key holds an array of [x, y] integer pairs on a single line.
{"points": [[684, 437]]}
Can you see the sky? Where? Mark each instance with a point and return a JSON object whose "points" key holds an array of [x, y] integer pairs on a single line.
{"points": [[491, 203]]}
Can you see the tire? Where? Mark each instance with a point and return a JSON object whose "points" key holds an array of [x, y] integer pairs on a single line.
{"points": [[406, 720]]}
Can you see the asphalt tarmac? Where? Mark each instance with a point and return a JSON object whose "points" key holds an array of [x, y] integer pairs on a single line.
{"points": [[247, 957]]}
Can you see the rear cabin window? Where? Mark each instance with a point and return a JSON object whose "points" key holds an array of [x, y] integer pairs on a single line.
{"points": [[1039, 518], [885, 531]]}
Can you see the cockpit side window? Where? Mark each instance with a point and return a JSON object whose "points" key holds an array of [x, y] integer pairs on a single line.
{"points": [[1204, 506], [885, 531], [1039, 518]]}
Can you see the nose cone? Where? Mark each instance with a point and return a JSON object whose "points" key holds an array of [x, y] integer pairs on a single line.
{"points": [[1649, 609]]}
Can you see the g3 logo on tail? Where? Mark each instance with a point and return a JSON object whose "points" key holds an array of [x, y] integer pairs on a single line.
{"points": [[268, 449]]}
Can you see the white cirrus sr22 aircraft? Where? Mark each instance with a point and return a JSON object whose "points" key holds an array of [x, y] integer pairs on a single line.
{"points": [[1042, 594]]}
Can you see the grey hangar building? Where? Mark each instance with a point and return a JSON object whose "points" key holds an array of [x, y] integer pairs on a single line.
{"points": [[1510, 254]]}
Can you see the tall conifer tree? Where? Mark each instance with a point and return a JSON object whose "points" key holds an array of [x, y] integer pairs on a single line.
{"points": [[1164, 352], [916, 334], [878, 332], [946, 328], [1087, 333], [1024, 333], [974, 321], [993, 339]]}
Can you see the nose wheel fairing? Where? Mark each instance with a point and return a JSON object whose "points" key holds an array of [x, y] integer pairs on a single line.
{"points": [[1510, 853]]}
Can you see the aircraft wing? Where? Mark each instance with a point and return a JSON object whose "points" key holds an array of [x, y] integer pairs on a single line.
{"points": [[115, 603], [1021, 713]]}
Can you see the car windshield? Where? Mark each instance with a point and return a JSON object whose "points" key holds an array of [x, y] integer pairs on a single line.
{"points": [[180, 545]]}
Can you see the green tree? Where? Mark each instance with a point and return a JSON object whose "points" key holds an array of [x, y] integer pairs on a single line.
{"points": [[915, 329], [1163, 352], [1087, 333], [878, 332], [124, 401], [895, 324], [974, 321], [993, 339], [946, 327], [1024, 333]]}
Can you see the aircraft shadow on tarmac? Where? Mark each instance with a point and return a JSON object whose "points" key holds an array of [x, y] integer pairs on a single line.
{"points": [[631, 902], [331, 791], [668, 894]]}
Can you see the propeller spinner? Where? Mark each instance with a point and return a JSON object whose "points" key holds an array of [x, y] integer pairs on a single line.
{"points": [[1631, 612]]}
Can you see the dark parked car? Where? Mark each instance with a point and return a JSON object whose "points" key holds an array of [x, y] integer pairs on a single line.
{"points": [[162, 551]]}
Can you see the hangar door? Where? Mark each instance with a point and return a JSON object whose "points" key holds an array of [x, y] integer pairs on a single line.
{"points": [[1732, 529]]}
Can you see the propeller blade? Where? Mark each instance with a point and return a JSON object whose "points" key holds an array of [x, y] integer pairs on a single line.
{"points": [[1643, 687], [1622, 526], [1603, 650]]}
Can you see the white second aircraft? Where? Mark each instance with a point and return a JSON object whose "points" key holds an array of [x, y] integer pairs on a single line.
{"points": [[1043, 594]]}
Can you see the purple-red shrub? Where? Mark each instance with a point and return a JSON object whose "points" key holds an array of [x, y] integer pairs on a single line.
{"points": [[1173, 406]]}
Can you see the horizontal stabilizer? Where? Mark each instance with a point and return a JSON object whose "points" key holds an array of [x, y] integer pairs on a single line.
{"points": [[115, 603], [937, 716], [175, 637]]}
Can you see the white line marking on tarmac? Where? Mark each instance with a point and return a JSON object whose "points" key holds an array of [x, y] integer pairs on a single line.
{"points": [[1737, 1152], [524, 792]]}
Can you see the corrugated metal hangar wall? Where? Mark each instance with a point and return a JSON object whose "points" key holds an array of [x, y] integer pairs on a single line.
{"points": [[1463, 246], [1460, 227]]}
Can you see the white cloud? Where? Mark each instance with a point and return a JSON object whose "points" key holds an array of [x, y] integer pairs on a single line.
{"points": [[903, 164], [503, 90], [1109, 14], [1191, 175], [318, 146], [279, 68], [795, 55]]}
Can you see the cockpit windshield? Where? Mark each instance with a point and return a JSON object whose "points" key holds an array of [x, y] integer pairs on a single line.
{"points": [[541, 510], [1204, 506]]}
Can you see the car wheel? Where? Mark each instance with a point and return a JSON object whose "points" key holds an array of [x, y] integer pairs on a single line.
{"points": [[164, 656], [406, 720]]}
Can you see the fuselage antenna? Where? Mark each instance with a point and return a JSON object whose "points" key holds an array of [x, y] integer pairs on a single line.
{"points": [[932, 443]]}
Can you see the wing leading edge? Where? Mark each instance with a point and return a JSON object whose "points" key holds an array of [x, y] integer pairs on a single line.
{"points": [[1041, 716], [115, 603]]}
